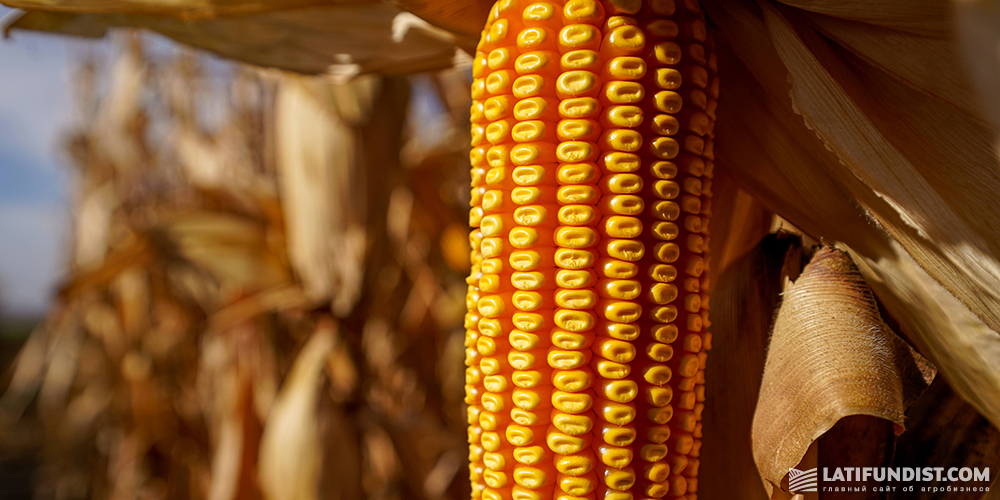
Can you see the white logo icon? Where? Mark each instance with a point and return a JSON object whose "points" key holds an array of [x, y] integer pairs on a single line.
{"points": [[802, 481]]}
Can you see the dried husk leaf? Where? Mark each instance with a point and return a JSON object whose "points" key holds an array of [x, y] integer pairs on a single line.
{"points": [[831, 356], [341, 40], [738, 215], [790, 170], [315, 150], [744, 298], [895, 140], [290, 449], [797, 177], [926, 17], [977, 24], [466, 17], [905, 56], [186, 9]]}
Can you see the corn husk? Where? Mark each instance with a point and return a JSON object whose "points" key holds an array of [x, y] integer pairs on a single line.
{"points": [[830, 357]]}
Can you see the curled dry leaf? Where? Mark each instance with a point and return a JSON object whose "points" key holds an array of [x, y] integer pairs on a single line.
{"points": [[290, 448], [831, 356]]}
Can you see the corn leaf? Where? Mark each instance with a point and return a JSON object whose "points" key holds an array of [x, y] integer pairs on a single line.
{"points": [[868, 118], [343, 40], [926, 17], [977, 24], [892, 139], [466, 18], [185, 9]]}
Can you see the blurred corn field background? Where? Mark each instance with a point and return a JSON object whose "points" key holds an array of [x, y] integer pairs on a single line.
{"points": [[265, 292]]}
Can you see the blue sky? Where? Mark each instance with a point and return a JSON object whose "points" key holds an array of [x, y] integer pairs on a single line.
{"points": [[34, 109]]}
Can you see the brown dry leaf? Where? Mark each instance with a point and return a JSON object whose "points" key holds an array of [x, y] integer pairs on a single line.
{"points": [[185, 9], [466, 17], [916, 16], [944, 217], [977, 24], [789, 176], [738, 215], [239, 251], [830, 356], [290, 450], [340, 40], [891, 173], [904, 56]]}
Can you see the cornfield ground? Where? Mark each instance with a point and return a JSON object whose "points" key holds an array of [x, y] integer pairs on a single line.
{"points": [[266, 298]]}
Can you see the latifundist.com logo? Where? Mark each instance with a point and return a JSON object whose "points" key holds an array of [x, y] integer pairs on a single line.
{"points": [[889, 479], [800, 481]]}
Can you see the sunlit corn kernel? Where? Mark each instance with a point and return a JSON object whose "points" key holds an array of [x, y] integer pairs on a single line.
{"points": [[539, 12], [627, 250], [620, 92], [624, 40], [579, 37], [573, 84], [623, 116], [617, 161], [536, 38]]}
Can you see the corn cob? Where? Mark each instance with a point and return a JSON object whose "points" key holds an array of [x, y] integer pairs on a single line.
{"points": [[592, 128]]}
